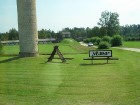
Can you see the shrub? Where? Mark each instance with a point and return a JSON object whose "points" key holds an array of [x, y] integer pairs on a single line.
{"points": [[98, 40], [116, 40], [86, 40], [104, 45], [131, 38], [93, 40], [106, 39]]}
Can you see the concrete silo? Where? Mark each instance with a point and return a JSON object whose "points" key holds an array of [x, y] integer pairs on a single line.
{"points": [[27, 27]]}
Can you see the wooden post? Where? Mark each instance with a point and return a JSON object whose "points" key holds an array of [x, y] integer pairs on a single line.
{"points": [[92, 59], [107, 59]]}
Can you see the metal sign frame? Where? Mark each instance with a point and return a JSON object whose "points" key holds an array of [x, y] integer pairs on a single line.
{"points": [[100, 53]]}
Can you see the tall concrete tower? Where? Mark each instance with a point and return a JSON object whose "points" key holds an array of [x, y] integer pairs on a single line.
{"points": [[27, 27]]}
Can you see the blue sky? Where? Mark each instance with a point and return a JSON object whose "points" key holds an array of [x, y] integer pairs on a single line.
{"points": [[58, 14]]}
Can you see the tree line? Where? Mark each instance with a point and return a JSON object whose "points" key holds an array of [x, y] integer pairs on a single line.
{"points": [[108, 25], [130, 32]]}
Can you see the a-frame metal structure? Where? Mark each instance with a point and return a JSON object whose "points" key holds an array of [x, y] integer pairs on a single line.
{"points": [[56, 50]]}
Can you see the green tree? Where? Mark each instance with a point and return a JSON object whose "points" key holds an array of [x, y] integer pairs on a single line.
{"points": [[93, 32], [130, 32], [116, 40], [89, 32], [42, 34], [139, 31], [1, 47], [106, 39], [110, 21], [103, 45], [96, 31], [4, 36], [13, 34], [103, 31], [59, 36]]}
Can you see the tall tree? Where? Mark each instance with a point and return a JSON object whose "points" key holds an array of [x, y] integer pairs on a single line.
{"points": [[139, 31], [4, 36], [13, 34], [110, 21], [1, 46], [42, 34]]}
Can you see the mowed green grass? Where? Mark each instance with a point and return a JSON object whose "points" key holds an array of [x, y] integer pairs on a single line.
{"points": [[132, 44], [31, 81], [43, 49], [66, 46]]}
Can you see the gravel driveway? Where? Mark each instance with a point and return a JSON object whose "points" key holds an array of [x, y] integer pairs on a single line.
{"points": [[122, 48], [129, 49]]}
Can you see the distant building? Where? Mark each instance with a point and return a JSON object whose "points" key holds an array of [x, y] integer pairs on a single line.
{"points": [[44, 41], [16, 42], [66, 34], [10, 42]]}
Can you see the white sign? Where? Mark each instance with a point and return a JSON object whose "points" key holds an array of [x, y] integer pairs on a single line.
{"points": [[100, 53]]}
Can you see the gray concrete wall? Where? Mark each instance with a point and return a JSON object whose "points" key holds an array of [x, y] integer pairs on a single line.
{"points": [[27, 27]]}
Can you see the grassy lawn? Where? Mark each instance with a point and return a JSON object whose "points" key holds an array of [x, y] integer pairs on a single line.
{"points": [[31, 81], [11, 49], [66, 46], [132, 44]]}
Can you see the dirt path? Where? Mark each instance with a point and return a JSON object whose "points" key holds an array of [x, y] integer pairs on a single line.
{"points": [[83, 44], [122, 48], [129, 49]]}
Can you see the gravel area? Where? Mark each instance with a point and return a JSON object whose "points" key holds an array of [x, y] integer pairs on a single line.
{"points": [[129, 49]]}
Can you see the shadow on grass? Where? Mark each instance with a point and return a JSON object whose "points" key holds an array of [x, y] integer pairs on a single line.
{"points": [[95, 64], [10, 59], [55, 62]]}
